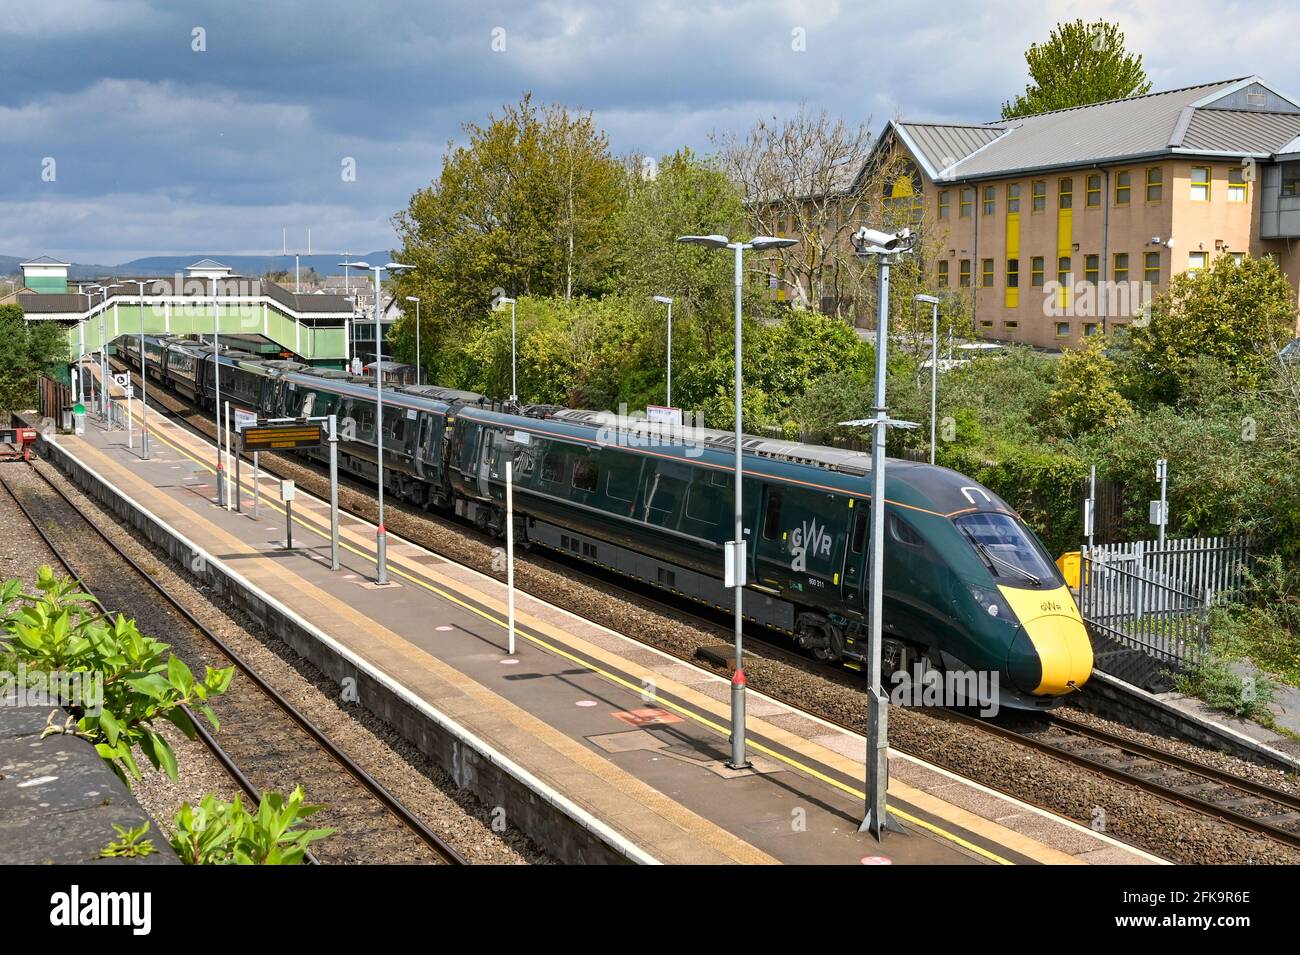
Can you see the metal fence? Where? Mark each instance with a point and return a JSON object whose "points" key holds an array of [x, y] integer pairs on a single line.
{"points": [[1157, 598]]}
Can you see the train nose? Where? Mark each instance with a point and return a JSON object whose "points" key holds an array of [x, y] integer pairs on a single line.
{"points": [[1051, 653]]}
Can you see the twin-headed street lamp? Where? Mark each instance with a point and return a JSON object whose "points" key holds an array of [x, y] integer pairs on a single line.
{"points": [[869, 243], [381, 535], [735, 559]]}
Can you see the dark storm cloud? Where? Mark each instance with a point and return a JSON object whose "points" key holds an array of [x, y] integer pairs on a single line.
{"points": [[160, 148]]}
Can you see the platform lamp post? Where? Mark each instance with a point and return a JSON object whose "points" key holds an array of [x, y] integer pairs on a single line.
{"points": [[90, 302], [497, 305], [883, 247], [416, 300], [667, 300], [735, 562], [381, 535], [934, 363], [216, 384], [144, 382], [105, 393]]}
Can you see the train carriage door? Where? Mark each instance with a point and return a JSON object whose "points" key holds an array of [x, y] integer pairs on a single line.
{"points": [[802, 542], [853, 580]]}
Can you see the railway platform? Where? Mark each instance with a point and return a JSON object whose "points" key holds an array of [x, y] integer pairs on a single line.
{"points": [[599, 747]]}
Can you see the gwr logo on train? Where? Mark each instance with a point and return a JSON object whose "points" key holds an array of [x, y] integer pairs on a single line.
{"points": [[809, 538]]}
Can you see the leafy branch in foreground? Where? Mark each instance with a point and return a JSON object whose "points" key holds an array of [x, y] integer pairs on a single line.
{"points": [[136, 680]]}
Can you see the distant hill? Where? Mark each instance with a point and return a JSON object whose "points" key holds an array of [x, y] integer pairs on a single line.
{"points": [[324, 264]]}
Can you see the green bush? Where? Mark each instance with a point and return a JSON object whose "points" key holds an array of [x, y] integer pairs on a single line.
{"points": [[225, 833]]}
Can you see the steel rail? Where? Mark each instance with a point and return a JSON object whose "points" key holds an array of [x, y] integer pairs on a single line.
{"points": [[390, 802]]}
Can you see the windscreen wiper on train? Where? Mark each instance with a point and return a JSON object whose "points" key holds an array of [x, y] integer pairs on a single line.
{"points": [[991, 558]]}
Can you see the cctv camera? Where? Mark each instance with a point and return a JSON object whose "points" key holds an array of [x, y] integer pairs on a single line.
{"points": [[870, 240], [1170, 242]]}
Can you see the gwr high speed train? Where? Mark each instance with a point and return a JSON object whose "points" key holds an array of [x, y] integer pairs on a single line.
{"points": [[968, 586]]}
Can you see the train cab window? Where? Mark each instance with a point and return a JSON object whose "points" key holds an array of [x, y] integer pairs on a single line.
{"points": [[555, 466], [902, 532], [772, 516], [1011, 553], [858, 543], [586, 475], [720, 478]]}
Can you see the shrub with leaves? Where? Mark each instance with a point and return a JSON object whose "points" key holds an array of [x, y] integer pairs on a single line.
{"points": [[225, 833], [59, 630], [129, 844]]}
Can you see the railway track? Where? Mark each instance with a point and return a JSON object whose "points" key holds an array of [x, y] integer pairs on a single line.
{"points": [[267, 743], [1213, 793]]}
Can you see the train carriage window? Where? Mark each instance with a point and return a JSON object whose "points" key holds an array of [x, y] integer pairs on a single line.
{"points": [[902, 532], [720, 478], [772, 516], [586, 475], [705, 504], [664, 493], [860, 524], [622, 479], [555, 466]]}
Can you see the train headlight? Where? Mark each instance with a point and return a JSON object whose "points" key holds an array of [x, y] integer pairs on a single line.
{"points": [[991, 601]]}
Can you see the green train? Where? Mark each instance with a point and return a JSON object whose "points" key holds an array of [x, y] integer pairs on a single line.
{"points": [[968, 586]]}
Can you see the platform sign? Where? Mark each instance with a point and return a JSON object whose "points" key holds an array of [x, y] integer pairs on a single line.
{"points": [[245, 419], [660, 414], [282, 437]]}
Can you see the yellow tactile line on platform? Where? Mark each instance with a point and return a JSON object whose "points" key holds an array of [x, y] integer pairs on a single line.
{"points": [[814, 752], [336, 612]]}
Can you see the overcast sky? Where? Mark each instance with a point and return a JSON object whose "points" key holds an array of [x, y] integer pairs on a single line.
{"points": [[158, 148]]}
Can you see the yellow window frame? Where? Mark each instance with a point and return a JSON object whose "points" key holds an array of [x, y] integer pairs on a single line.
{"points": [[1093, 198], [1123, 187], [1119, 273], [1240, 188], [1157, 184], [1193, 183], [1148, 269]]}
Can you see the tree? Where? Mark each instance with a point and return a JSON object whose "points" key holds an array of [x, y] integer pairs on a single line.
{"points": [[27, 349], [527, 206], [1086, 397], [684, 196], [1237, 313], [1081, 63], [808, 175]]}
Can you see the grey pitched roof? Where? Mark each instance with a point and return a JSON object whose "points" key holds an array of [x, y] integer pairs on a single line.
{"points": [[207, 264], [44, 260], [946, 144], [1223, 130], [1243, 116]]}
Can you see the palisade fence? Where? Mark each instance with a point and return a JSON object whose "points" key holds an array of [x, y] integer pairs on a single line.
{"points": [[1156, 599]]}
